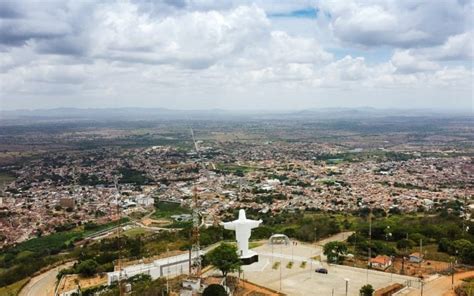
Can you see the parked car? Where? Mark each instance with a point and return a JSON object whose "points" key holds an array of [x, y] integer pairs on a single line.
{"points": [[321, 270]]}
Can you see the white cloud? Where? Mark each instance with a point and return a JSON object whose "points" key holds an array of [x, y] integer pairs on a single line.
{"points": [[457, 47], [405, 62], [413, 23], [193, 39], [193, 53]]}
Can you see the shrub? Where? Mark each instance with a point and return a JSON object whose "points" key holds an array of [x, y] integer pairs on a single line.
{"points": [[214, 290], [366, 290]]}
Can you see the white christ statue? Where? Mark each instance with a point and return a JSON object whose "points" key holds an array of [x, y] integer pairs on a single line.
{"points": [[242, 227]]}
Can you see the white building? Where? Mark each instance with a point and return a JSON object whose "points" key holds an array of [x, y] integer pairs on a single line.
{"points": [[175, 265], [145, 201]]}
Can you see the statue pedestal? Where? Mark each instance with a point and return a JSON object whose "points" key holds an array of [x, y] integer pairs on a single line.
{"points": [[251, 258]]}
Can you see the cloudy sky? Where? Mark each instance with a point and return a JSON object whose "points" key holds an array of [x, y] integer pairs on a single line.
{"points": [[266, 54]]}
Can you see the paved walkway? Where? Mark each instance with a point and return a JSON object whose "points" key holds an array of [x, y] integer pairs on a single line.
{"points": [[302, 280]]}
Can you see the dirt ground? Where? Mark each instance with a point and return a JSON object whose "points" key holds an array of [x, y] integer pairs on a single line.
{"points": [[153, 222], [425, 269], [246, 288], [442, 285], [70, 282]]}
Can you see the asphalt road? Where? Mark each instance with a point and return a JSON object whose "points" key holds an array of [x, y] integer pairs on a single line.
{"points": [[43, 284]]}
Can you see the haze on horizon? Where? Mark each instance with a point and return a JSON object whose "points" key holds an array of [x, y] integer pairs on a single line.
{"points": [[236, 55]]}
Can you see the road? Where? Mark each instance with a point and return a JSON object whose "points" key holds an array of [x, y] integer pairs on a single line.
{"points": [[43, 284], [341, 236], [442, 285]]}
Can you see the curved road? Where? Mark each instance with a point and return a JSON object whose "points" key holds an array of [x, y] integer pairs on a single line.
{"points": [[43, 284]]}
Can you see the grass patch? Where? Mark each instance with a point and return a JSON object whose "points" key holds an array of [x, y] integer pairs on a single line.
{"points": [[105, 226], [276, 265], [432, 253], [165, 209], [13, 289], [317, 258], [179, 224], [253, 245], [134, 232], [59, 240]]}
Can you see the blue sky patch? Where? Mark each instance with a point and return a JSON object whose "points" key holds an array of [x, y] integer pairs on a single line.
{"points": [[309, 12]]}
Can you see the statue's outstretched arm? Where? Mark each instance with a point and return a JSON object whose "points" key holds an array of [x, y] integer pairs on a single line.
{"points": [[254, 223], [228, 225]]}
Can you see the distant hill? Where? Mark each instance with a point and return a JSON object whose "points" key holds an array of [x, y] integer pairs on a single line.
{"points": [[134, 114]]}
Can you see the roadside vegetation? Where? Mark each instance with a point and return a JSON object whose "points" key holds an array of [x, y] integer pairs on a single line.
{"points": [[24, 259], [13, 289], [442, 232], [442, 237]]}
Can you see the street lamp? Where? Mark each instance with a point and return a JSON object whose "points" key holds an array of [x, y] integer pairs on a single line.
{"points": [[292, 245], [387, 233], [347, 286]]}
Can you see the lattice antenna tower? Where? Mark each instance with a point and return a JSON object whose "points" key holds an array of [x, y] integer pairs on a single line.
{"points": [[195, 248], [119, 235]]}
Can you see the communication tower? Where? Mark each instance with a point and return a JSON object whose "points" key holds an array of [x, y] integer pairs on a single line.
{"points": [[119, 237], [195, 270]]}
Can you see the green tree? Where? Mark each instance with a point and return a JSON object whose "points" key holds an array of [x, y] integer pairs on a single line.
{"points": [[444, 244], [225, 258], [334, 250], [214, 290], [366, 290], [87, 268], [467, 254], [405, 244], [464, 249], [356, 238]]}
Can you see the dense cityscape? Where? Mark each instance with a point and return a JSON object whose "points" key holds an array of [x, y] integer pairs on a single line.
{"points": [[236, 148], [271, 174]]}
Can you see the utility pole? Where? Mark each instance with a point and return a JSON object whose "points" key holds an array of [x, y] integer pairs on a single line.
{"points": [[452, 274], [168, 273], [421, 251], [406, 245], [281, 262], [370, 244], [271, 242], [421, 246], [292, 244], [281, 266]]}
